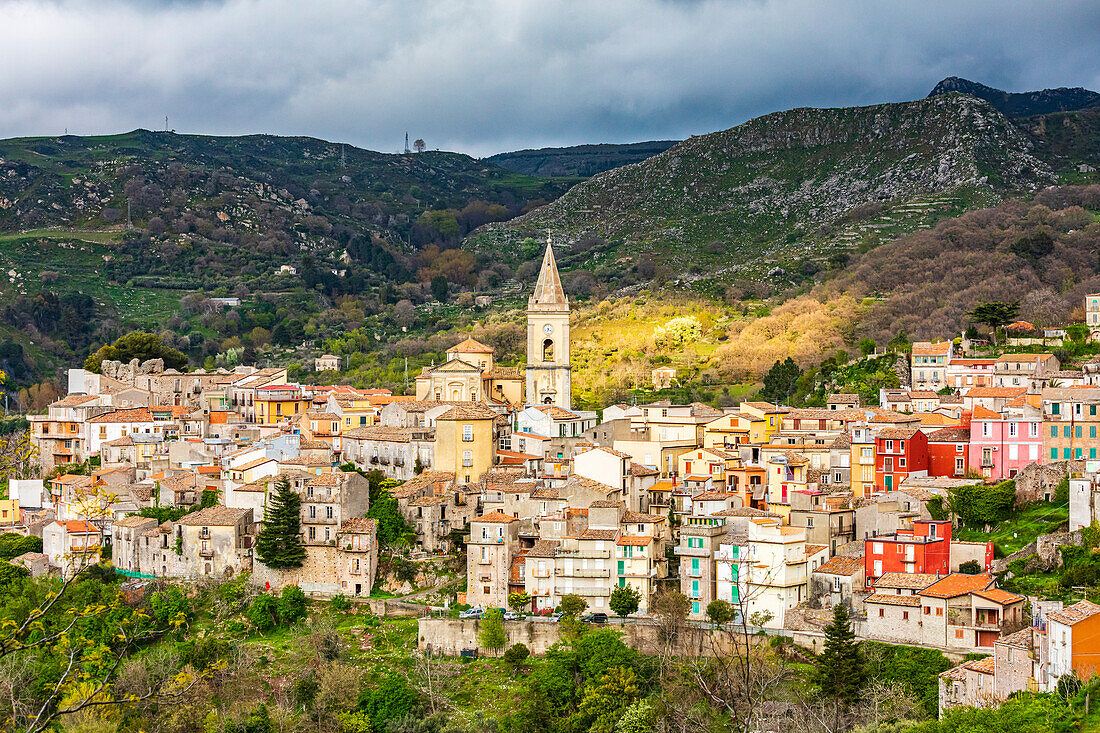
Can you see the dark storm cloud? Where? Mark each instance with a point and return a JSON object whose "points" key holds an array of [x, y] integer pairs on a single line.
{"points": [[488, 76]]}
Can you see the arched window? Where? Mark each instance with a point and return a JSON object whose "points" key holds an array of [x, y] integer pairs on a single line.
{"points": [[548, 401], [548, 350]]}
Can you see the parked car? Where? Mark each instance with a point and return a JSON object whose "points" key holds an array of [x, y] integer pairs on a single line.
{"points": [[595, 618], [471, 613], [554, 617], [513, 616]]}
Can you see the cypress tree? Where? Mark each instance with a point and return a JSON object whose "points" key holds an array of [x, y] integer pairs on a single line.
{"points": [[279, 544], [839, 671]]}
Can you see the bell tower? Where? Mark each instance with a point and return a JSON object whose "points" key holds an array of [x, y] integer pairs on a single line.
{"points": [[549, 374]]}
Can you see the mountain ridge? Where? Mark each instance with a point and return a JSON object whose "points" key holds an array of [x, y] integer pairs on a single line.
{"points": [[745, 194], [578, 160], [1021, 104]]}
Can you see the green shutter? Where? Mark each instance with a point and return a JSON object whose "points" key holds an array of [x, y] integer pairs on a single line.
{"points": [[1065, 453], [1054, 454]]}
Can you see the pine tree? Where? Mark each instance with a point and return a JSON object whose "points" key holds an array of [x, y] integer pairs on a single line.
{"points": [[280, 543], [839, 672]]}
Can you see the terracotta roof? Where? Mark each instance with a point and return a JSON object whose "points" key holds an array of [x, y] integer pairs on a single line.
{"points": [[897, 433], [544, 548], [599, 534], [639, 518], [1023, 357], [926, 348], [462, 412], [997, 595], [984, 413], [957, 674], [995, 391], [950, 435], [1077, 612], [135, 414], [329, 478], [1021, 639], [214, 516], [911, 581], [616, 453], [841, 566], [546, 492], [253, 464], [744, 511], [470, 346], [985, 666], [495, 518], [634, 541], [639, 470], [358, 525], [383, 433], [134, 520], [889, 599], [957, 584], [605, 504], [73, 400], [556, 413]]}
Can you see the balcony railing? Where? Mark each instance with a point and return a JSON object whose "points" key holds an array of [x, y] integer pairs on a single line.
{"points": [[206, 552], [592, 573]]}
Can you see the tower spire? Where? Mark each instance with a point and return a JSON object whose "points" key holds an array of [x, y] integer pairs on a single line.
{"points": [[548, 294]]}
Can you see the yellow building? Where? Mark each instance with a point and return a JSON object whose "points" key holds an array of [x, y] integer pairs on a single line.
{"points": [[465, 443], [279, 403], [863, 462], [9, 512], [469, 375], [765, 419]]}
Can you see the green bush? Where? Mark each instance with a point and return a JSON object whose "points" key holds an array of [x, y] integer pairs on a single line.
{"points": [[516, 654], [292, 604], [980, 505], [263, 612]]}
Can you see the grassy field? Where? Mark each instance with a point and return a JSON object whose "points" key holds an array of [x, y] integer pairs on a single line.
{"points": [[1022, 529]]}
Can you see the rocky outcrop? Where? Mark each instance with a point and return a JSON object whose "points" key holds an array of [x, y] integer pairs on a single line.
{"points": [[1042, 555], [126, 371]]}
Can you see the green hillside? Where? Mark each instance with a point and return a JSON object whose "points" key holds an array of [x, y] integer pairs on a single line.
{"points": [[767, 197]]}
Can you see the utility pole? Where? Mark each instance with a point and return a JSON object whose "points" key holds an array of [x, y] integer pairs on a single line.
{"points": [[407, 143], [166, 123]]}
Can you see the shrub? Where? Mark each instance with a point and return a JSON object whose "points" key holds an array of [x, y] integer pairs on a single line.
{"points": [[339, 603], [263, 612], [516, 654], [292, 604]]}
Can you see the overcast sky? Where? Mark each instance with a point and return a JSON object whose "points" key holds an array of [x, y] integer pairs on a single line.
{"points": [[484, 76]]}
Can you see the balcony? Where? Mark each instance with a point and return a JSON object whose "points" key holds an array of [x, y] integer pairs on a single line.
{"points": [[592, 573], [540, 573], [206, 552], [589, 555], [592, 591], [692, 551]]}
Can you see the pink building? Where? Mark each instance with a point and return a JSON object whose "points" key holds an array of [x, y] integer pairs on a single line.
{"points": [[1000, 445]]}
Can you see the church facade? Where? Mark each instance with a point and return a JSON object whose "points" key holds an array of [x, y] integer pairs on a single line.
{"points": [[469, 374]]}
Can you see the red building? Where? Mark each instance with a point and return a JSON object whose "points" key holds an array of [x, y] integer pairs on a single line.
{"points": [[899, 453], [926, 548], [948, 449]]}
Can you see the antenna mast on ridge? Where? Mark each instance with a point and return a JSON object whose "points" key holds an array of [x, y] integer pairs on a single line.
{"points": [[407, 143]]}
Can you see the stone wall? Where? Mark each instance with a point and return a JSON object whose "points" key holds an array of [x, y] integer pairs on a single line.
{"points": [[451, 636], [127, 371], [1036, 481]]}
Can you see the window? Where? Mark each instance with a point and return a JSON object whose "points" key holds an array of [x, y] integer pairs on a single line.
{"points": [[1055, 408], [548, 350], [927, 610], [987, 429], [1012, 430], [1054, 431], [958, 633], [939, 611], [881, 613], [467, 433], [1065, 431], [1054, 454], [1077, 431], [959, 465], [467, 458]]}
